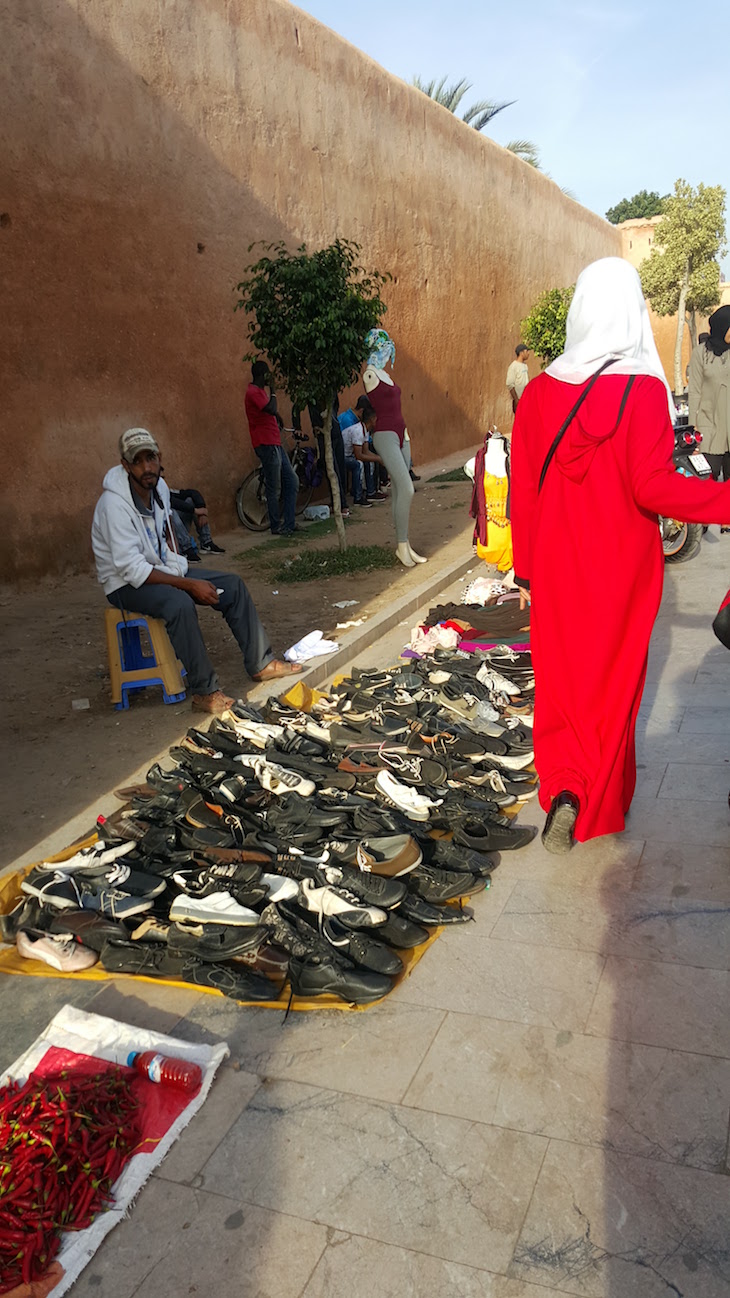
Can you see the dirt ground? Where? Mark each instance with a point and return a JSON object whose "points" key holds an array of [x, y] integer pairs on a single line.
{"points": [[57, 760]]}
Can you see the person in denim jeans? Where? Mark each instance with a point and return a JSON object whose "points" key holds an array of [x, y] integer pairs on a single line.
{"points": [[280, 479]]}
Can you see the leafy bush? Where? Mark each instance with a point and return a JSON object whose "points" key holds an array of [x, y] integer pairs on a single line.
{"points": [[543, 330]]}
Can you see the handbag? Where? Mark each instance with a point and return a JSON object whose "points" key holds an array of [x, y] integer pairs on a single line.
{"points": [[564, 426]]}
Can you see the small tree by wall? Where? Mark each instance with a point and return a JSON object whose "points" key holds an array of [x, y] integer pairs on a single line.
{"points": [[543, 330], [309, 314], [682, 274]]}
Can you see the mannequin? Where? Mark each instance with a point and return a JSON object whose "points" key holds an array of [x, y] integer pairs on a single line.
{"points": [[390, 439], [491, 490]]}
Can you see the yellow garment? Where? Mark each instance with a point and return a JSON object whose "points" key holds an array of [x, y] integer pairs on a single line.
{"points": [[498, 548]]}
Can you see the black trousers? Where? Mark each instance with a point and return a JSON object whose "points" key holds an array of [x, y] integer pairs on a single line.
{"points": [[180, 615], [719, 464]]}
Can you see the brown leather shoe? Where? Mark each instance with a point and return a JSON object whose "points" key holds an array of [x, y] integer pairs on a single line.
{"points": [[272, 961], [213, 704]]}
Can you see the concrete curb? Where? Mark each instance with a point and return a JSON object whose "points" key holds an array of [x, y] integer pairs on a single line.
{"points": [[351, 644], [355, 641]]}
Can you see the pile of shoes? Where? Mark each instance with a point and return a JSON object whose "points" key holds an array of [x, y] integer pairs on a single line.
{"points": [[308, 848]]}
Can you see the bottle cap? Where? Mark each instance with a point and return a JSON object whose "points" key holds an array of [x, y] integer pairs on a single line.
{"points": [[131, 1058]]}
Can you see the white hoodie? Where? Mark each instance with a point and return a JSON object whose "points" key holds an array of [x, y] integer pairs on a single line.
{"points": [[127, 545]]}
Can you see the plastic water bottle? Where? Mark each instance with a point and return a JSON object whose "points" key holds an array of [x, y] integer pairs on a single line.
{"points": [[180, 1073]]}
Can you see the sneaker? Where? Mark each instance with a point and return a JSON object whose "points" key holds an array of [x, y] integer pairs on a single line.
{"points": [[494, 680], [389, 857], [89, 858], [279, 887], [233, 981], [451, 856], [192, 556], [120, 876], [361, 949], [413, 805], [340, 902], [364, 504], [280, 781], [74, 892], [211, 548], [319, 976], [216, 908], [438, 886], [58, 952], [373, 889], [377, 497], [485, 836]]}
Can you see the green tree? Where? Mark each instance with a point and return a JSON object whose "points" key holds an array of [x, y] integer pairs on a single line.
{"points": [[309, 314], [682, 274], [642, 205], [543, 330]]}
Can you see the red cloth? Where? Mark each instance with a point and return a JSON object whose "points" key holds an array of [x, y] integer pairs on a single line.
{"points": [[589, 545], [385, 399], [263, 428], [478, 507]]}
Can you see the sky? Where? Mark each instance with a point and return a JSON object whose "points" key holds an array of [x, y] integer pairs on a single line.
{"points": [[610, 92]]}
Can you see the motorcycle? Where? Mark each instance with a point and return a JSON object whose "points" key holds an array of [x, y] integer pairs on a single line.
{"points": [[681, 541]]}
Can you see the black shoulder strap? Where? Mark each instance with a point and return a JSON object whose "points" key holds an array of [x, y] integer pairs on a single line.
{"points": [[564, 427]]}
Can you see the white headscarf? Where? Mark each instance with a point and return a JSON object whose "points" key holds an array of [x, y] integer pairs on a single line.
{"points": [[608, 318]]}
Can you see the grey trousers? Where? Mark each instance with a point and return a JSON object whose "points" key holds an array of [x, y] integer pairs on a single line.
{"points": [[179, 613], [397, 460]]}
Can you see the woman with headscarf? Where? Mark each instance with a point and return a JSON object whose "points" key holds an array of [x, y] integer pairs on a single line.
{"points": [[709, 393], [390, 439], [592, 458]]}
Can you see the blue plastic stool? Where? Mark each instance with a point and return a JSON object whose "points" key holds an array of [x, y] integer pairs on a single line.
{"points": [[130, 668]]}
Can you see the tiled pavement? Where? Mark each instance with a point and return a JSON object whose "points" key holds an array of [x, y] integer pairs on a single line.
{"points": [[541, 1109]]}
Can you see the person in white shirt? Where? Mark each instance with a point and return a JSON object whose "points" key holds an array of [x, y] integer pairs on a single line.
{"points": [[356, 439], [141, 571], [517, 375]]}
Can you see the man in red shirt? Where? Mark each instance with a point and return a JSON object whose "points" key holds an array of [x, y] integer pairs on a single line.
{"points": [[279, 477]]}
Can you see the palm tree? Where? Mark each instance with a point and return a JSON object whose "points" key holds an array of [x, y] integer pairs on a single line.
{"points": [[451, 96], [479, 114]]}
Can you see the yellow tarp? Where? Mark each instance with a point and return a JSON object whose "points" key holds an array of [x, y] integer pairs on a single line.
{"points": [[12, 963]]}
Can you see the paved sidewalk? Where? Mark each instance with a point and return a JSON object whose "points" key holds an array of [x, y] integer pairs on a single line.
{"points": [[541, 1109]]}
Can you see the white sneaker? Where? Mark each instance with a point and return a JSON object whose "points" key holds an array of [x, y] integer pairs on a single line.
{"points": [[257, 733], [494, 681], [341, 903], [414, 805], [278, 780], [517, 762], [60, 953], [89, 858], [216, 908], [280, 887]]}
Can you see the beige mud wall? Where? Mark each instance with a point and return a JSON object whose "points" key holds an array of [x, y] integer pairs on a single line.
{"points": [[146, 144]]}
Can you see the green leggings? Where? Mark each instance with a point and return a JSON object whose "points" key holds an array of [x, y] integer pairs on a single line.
{"points": [[397, 461]]}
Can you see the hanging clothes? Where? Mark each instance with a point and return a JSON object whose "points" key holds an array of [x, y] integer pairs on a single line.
{"points": [[490, 504]]}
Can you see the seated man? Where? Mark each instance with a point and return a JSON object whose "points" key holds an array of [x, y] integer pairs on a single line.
{"points": [[359, 457], [190, 505], [141, 571]]}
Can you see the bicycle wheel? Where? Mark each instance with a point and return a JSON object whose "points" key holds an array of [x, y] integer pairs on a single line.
{"points": [[251, 502], [304, 494]]}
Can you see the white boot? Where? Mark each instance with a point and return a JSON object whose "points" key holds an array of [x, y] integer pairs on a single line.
{"points": [[403, 552], [417, 558]]}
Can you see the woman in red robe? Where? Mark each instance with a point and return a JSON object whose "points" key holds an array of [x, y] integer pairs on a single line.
{"points": [[588, 546]]}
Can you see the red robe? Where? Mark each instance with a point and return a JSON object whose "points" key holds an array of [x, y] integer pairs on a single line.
{"points": [[590, 546]]}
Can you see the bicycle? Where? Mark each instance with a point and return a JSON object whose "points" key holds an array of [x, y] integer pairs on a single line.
{"points": [[251, 495]]}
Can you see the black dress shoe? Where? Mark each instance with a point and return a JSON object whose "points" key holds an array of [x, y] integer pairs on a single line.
{"points": [[326, 977], [401, 933], [557, 836]]}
